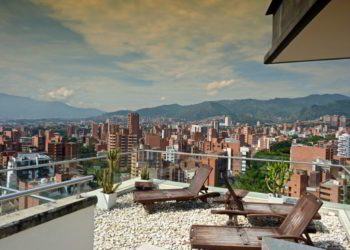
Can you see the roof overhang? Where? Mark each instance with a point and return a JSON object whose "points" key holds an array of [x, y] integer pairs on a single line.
{"points": [[309, 30]]}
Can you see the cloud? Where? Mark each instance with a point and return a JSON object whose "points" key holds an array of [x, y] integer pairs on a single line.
{"points": [[60, 94], [214, 87], [128, 54], [162, 98], [182, 39]]}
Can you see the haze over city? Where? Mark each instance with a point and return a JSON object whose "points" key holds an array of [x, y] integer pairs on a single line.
{"points": [[114, 55]]}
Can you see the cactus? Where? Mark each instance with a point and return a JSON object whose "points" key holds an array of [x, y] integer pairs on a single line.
{"points": [[278, 174], [145, 173], [105, 177]]}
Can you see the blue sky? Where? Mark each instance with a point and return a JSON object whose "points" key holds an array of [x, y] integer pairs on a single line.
{"points": [[115, 55]]}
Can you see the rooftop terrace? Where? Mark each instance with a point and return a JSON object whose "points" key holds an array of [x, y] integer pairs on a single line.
{"points": [[127, 225]]}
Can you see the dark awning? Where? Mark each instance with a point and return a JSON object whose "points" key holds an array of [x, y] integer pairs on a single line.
{"points": [[309, 30]]}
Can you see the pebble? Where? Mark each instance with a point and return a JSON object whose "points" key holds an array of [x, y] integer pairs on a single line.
{"points": [[127, 225]]}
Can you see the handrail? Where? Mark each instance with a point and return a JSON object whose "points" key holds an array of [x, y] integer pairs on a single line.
{"points": [[57, 163], [250, 159], [178, 153], [46, 188], [33, 195], [52, 164]]}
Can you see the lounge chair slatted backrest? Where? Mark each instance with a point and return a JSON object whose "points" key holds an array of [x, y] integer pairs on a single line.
{"points": [[199, 179], [301, 215], [237, 201]]}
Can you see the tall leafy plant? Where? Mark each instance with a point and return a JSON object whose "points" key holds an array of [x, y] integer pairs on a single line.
{"points": [[278, 174], [145, 173], [105, 177]]}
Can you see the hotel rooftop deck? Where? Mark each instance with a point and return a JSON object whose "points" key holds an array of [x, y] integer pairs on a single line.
{"points": [[127, 226]]}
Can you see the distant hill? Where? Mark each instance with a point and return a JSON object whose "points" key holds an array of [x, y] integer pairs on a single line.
{"points": [[251, 110], [17, 107]]}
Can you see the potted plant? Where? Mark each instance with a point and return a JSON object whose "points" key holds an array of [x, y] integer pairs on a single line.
{"points": [[145, 183], [278, 174], [145, 173], [105, 178]]}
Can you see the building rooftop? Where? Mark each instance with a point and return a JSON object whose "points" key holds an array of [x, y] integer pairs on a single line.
{"points": [[128, 226]]}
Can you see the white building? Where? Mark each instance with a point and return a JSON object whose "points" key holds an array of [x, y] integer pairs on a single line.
{"points": [[24, 160], [196, 128], [344, 145], [170, 154], [216, 124], [244, 154], [228, 121]]}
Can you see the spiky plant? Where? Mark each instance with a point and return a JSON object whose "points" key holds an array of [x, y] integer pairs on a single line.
{"points": [[145, 173], [105, 177], [278, 174]]}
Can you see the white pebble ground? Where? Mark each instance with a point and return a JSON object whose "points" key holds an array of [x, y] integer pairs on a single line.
{"points": [[128, 226]]}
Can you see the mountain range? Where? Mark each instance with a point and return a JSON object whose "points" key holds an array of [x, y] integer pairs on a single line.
{"points": [[250, 110], [245, 110], [18, 107]]}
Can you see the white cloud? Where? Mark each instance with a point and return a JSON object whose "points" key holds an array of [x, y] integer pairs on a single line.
{"points": [[214, 87], [180, 47], [60, 94], [162, 98], [182, 40]]}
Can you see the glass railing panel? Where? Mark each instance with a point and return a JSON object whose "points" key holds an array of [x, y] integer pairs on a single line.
{"points": [[328, 181]]}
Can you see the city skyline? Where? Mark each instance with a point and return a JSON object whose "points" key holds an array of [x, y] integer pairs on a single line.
{"points": [[120, 55]]}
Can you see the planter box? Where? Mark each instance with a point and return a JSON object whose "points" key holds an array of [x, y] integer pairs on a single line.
{"points": [[106, 201], [144, 185], [276, 200]]}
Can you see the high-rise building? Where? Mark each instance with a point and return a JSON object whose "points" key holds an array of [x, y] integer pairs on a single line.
{"points": [[342, 121], [140, 159], [246, 131], [344, 145], [71, 150], [334, 120], [56, 151], [228, 121], [38, 141], [71, 130], [133, 123], [95, 130], [215, 124], [212, 133], [49, 134]]}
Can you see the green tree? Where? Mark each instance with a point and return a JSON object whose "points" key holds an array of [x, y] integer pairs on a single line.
{"points": [[281, 147], [254, 177], [87, 151]]}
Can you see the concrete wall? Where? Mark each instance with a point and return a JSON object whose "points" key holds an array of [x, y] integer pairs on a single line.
{"points": [[71, 231]]}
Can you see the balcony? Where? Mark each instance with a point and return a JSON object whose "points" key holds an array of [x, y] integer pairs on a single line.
{"points": [[67, 218]]}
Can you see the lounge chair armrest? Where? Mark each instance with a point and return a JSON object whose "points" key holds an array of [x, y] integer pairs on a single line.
{"points": [[286, 237], [221, 201], [229, 212], [278, 216]]}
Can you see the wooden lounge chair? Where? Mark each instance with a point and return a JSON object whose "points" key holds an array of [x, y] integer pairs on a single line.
{"points": [[292, 228], [253, 209], [228, 199], [193, 192]]}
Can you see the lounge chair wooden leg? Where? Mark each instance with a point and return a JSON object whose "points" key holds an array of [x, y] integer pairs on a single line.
{"points": [[307, 236], [232, 221], [148, 207]]}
